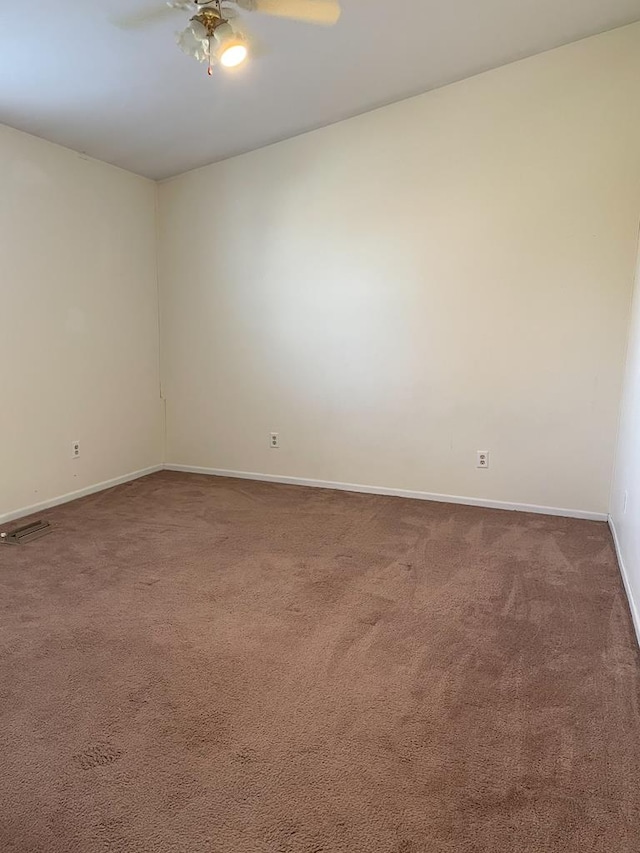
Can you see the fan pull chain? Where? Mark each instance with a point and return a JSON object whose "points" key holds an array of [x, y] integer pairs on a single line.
{"points": [[210, 69]]}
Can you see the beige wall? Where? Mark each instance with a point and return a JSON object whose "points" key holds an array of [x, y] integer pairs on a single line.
{"points": [[395, 292], [79, 330], [390, 294], [625, 499]]}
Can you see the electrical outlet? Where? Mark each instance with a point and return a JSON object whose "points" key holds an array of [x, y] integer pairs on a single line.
{"points": [[75, 449], [482, 459], [274, 440]]}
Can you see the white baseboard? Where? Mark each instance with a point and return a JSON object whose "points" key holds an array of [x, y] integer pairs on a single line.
{"points": [[635, 613], [301, 481], [398, 493], [80, 493]]}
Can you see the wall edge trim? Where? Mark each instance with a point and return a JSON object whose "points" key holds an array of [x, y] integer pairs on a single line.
{"points": [[381, 490], [635, 612], [80, 493]]}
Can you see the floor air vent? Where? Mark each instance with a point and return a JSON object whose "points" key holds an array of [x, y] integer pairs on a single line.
{"points": [[26, 533]]}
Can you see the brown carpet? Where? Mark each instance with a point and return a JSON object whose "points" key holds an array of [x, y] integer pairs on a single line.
{"points": [[219, 666]]}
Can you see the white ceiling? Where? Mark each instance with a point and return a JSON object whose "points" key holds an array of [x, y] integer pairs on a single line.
{"points": [[133, 99]]}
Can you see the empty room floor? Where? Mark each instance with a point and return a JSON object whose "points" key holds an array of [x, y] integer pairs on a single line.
{"points": [[202, 665]]}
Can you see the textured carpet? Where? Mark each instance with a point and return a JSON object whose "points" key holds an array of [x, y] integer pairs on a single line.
{"points": [[219, 666]]}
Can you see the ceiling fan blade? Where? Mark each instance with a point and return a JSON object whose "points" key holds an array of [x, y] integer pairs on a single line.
{"points": [[311, 11], [150, 16], [229, 13]]}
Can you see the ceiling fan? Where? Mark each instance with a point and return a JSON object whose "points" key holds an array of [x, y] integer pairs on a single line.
{"points": [[213, 34]]}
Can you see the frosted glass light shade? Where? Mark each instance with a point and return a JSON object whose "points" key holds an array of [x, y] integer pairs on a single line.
{"points": [[199, 30], [191, 45], [223, 33]]}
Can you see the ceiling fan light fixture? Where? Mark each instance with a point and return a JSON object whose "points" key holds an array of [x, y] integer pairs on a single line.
{"points": [[210, 36], [233, 54]]}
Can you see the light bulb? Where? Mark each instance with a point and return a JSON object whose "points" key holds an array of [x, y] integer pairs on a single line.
{"points": [[233, 54]]}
